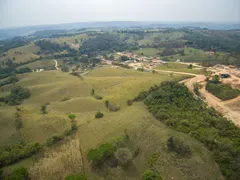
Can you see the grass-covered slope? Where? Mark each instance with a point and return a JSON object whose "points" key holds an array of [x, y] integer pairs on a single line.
{"points": [[69, 94]]}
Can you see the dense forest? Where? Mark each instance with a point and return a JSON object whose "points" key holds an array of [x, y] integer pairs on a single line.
{"points": [[174, 105], [105, 42]]}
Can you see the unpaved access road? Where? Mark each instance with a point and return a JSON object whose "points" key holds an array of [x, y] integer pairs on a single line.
{"points": [[56, 64], [219, 105]]}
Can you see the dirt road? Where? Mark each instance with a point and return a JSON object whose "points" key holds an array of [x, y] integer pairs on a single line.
{"points": [[219, 105], [56, 64]]}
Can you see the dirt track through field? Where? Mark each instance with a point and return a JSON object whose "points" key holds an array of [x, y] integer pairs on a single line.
{"points": [[56, 64]]}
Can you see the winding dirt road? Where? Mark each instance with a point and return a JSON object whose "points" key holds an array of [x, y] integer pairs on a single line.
{"points": [[56, 64], [219, 105]]}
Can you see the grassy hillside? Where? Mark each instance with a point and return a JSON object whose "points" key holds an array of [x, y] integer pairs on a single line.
{"points": [[171, 66], [69, 94]]}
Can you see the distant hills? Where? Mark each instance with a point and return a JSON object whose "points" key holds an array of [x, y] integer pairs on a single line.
{"points": [[7, 33]]}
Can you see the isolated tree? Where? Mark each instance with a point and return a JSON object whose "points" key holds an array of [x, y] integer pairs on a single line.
{"points": [[190, 66], [72, 117], [99, 114]]}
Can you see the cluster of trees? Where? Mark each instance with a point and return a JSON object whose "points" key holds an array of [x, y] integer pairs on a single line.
{"points": [[47, 45], [105, 42], [17, 95], [222, 91], [18, 151], [174, 105], [5, 45], [117, 152], [11, 68], [9, 80], [215, 40], [99, 155]]}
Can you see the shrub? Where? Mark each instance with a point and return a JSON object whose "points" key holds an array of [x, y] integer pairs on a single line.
{"points": [[196, 87], [178, 146], [129, 102], [124, 156], [140, 69], [98, 97], [97, 156], [20, 173], [99, 114], [65, 99], [52, 140], [113, 107], [18, 123], [106, 103], [43, 109], [76, 177], [71, 130], [92, 92], [150, 175]]}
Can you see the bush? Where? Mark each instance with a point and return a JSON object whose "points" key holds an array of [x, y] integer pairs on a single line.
{"points": [[52, 140], [113, 107], [97, 156], [106, 103], [71, 130], [92, 92], [98, 97], [99, 114], [129, 102], [76, 177], [178, 146], [20, 173], [150, 175], [18, 123], [124, 156], [43, 109]]}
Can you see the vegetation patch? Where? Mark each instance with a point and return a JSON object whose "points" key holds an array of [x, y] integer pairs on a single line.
{"points": [[99, 115], [76, 177], [222, 91], [18, 151], [174, 105], [178, 146], [20, 173], [17, 95]]}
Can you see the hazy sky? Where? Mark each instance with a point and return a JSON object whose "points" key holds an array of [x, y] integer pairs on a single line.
{"points": [[34, 12]]}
